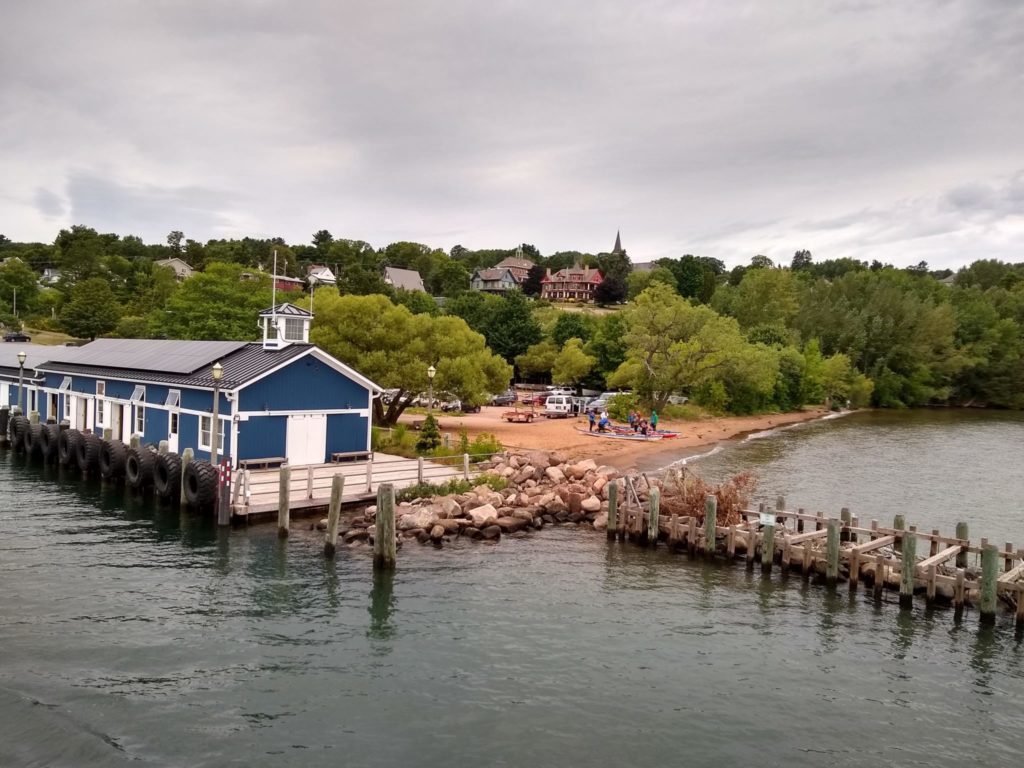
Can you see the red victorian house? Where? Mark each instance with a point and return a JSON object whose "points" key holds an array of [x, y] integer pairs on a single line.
{"points": [[574, 283]]}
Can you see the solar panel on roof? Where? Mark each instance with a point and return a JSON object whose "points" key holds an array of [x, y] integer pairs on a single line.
{"points": [[162, 355]]}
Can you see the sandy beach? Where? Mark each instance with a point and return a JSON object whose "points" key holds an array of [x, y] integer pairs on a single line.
{"points": [[563, 435]]}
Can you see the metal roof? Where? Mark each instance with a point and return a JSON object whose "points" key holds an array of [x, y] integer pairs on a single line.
{"points": [[155, 355], [34, 354], [409, 279], [248, 361], [285, 310]]}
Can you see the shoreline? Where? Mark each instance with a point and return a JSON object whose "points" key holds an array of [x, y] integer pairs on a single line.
{"points": [[561, 436]]}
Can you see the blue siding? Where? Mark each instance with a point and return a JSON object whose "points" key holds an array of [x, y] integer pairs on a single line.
{"points": [[188, 436], [157, 422], [305, 385], [346, 432], [262, 436]]}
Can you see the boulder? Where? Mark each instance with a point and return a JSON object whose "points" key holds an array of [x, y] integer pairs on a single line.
{"points": [[480, 515], [555, 475], [556, 506], [450, 525], [437, 532], [600, 481], [591, 504], [491, 533], [424, 517], [422, 537], [523, 514], [471, 532], [511, 524], [524, 474], [356, 534], [575, 502], [449, 506], [601, 522]]}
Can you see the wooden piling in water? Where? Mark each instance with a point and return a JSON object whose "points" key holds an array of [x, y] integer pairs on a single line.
{"points": [[186, 459], [653, 512], [768, 548], [334, 515], [962, 533], [908, 566], [832, 547], [845, 517], [284, 502], [989, 575], [613, 510], [898, 524], [384, 546], [710, 523]]}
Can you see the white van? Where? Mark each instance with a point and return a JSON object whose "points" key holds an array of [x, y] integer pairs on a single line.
{"points": [[558, 406]]}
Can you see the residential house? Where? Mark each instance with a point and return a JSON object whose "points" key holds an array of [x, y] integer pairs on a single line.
{"points": [[319, 274], [573, 284], [182, 271], [50, 276], [405, 279], [494, 280]]}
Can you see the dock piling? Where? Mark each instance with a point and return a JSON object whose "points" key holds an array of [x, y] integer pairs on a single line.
{"points": [[384, 547], [989, 574], [962, 534], [186, 459], [846, 518], [334, 515], [832, 545], [908, 566], [653, 512], [284, 502], [710, 523], [898, 524], [613, 510]]}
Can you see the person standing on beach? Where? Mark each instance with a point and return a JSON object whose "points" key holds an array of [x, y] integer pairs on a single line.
{"points": [[593, 420], [654, 420]]}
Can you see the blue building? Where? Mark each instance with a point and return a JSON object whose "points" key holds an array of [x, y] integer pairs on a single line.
{"points": [[282, 397]]}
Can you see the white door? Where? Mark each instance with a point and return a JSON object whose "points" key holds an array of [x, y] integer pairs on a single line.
{"points": [[116, 414], [81, 413], [172, 431], [5, 394], [307, 439]]}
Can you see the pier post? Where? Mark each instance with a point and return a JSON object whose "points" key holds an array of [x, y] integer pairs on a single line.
{"points": [[898, 524], [186, 459], [989, 574], [164, 447], [1008, 556], [613, 510], [654, 511], [369, 475], [465, 466], [33, 417], [384, 535], [800, 520], [284, 501], [832, 544], [962, 533], [108, 433], [333, 515], [768, 548], [780, 507], [844, 515], [908, 565], [419, 470], [710, 523]]}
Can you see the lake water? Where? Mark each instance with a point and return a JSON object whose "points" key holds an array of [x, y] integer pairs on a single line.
{"points": [[135, 634]]}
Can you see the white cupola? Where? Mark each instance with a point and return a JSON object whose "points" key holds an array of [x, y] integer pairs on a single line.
{"points": [[285, 324]]}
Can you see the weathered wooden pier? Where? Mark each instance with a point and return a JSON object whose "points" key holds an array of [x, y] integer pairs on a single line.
{"points": [[944, 570]]}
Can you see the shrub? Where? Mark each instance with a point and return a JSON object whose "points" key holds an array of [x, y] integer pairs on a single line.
{"points": [[685, 412], [450, 487], [430, 435]]}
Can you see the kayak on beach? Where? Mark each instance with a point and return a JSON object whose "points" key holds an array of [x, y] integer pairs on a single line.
{"points": [[617, 434], [663, 433]]}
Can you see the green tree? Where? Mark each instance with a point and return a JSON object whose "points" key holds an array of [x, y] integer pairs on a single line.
{"points": [[92, 309], [511, 329], [571, 325], [801, 260], [17, 284], [394, 348], [572, 364], [538, 360], [639, 280], [607, 345], [215, 304]]}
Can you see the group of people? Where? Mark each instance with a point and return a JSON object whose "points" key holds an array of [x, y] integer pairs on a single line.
{"points": [[637, 424]]}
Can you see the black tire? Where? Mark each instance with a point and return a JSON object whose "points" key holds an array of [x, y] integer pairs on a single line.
{"points": [[200, 483], [167, 475], [138, 467], [87, 454], [67, 447], [5, 419], [32, 440], [49, 436], [113, 455], [19, 424]]}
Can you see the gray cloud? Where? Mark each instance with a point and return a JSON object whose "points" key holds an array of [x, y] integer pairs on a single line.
{"points": [[850, 128]]}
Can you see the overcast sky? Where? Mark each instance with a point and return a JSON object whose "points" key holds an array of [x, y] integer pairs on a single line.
{"points": [[875, 130]]}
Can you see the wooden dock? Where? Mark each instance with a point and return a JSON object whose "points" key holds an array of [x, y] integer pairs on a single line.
{"points": [[257, 492], [946, 569]]}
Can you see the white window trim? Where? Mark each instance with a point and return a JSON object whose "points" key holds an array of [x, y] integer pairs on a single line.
{"points": [[101, 405], [173, 423], [205, 446], [140, 416], [138, 394], [173, 398]]}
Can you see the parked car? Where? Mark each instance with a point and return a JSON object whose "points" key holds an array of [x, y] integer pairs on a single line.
{"points": [[456, 405], [558, 406], [16, 336], [600, 403], [677, 400], [505, 398], [560, 390]]}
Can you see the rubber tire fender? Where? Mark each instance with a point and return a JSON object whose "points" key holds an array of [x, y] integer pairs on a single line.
{"points": [[200, 483], [88, 454], [32, 440], [167, 475], [19, 424], [49, 436], [113, 455], [67, 447], [138, 467]]}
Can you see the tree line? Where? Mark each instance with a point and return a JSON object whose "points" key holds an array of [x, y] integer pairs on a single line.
{"points": [[758, 337]]}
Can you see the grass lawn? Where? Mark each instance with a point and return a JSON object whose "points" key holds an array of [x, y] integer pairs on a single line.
{"points": [[53, 338]]}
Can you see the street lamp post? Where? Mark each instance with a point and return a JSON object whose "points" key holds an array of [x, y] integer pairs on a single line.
{"points": [[21, 377], [430, 394]]}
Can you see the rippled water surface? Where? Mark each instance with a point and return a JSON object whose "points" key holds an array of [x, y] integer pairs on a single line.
{"points": [[135, 634]]}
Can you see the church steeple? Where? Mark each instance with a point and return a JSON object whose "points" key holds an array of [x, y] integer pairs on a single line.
{"points": [[618, 243]]}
